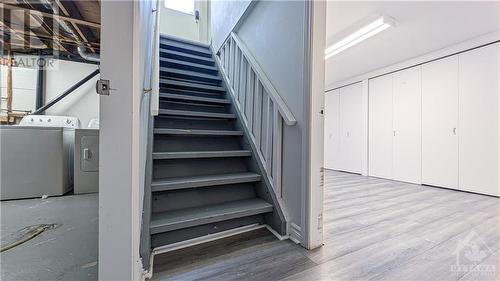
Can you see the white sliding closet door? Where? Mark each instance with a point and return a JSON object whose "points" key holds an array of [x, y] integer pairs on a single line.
{"points": [[440, 122], [479, 120], [380, 132], [407, 98], [351, 128], [332, 130]]}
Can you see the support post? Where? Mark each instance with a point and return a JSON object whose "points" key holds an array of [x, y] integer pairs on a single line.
{"points": [[40, 85], [9, 81]]}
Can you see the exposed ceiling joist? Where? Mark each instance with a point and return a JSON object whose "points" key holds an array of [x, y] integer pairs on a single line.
{"points": [[53, 16]]}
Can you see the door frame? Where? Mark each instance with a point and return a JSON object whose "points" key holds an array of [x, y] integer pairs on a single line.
{"points": [[314, 87]]}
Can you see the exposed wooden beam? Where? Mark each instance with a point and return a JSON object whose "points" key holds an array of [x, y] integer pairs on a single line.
{"points": [[80, 33], [53, 16], [9, 81], [18, 35], [59, 37]]}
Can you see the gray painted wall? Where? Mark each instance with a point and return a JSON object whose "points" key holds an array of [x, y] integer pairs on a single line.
{"points": [[274, 33], [224, 16]]}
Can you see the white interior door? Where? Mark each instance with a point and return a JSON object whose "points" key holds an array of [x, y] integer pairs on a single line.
{"points": [[479, 120], [440, 122], [407, 153], [332, 130], [380, 132], [351, 128]]}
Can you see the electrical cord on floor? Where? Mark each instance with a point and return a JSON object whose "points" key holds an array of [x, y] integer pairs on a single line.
{"points": [[32, 233]]}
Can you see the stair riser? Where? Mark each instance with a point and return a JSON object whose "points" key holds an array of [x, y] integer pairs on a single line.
{"points": [[166, 85], [199, 60], [192, 232], [203, 102], [167, 143], [197, 197], [184, 48], [197, 167], [177, 105], [191, 78], [194, 93], [188, 67], [193, 123]]}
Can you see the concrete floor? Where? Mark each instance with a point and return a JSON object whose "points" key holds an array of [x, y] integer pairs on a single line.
{"points": [[66, 252], [374, 229]]}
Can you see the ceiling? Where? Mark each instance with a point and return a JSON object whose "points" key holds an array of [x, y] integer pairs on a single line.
{"points": [[50, 27], [421, 27]]}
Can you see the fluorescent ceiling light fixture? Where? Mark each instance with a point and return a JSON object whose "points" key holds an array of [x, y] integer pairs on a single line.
{"points": [[377, 26]]}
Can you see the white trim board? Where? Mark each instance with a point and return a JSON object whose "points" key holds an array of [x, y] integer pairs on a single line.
{"points": [[473, 43]]}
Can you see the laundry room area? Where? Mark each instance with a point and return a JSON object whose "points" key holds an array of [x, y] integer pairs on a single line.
{"points": [[49, 136]]}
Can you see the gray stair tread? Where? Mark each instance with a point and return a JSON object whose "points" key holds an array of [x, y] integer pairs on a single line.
{"points": [[201, 181], [192, 85], [191, 64], [201, 154], [194, 98], [184, 41], [198, 132], [198, 113], [187, 55], [186, 45], [172, 220], [190, 73]]}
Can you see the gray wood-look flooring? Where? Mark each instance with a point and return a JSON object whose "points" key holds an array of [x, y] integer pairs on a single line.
{"points": [[374, 229]]}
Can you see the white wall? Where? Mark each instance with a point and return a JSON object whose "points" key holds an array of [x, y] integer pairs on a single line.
{"points": [[23, 88], [224, 16], [82, 103]]}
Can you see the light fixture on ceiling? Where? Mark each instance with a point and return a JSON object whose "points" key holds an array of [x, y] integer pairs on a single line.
{"points": [[367, 31]]}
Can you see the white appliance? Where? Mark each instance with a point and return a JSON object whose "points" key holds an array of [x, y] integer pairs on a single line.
{"points": [[50, 121]]}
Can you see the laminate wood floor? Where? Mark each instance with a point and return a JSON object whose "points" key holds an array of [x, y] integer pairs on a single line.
{"points": [[374, 229]]}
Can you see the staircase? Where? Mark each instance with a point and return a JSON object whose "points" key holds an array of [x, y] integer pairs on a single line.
{"points": [[205, 176]]}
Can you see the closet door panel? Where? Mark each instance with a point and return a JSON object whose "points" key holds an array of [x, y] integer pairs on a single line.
{"points": [[479, 120], [332, 130], [407, 112], [351, 128], [440, 122], [380, 131]]}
